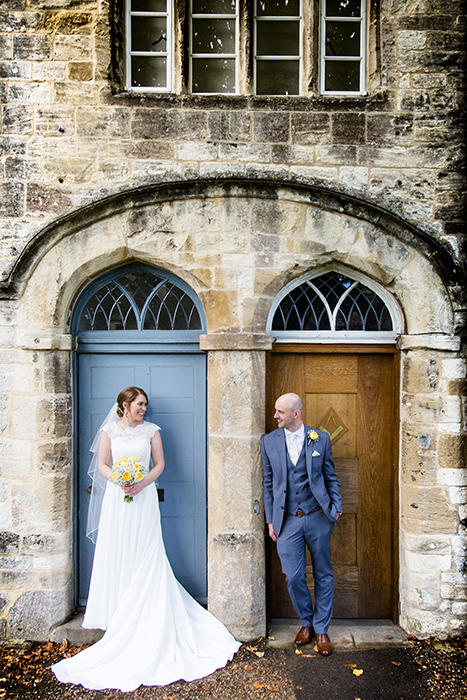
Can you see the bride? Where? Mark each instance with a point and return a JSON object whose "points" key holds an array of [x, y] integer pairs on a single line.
{"points": [[156, 633]]}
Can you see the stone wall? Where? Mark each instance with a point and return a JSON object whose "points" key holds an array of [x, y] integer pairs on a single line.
{"points": [[374, 183]]}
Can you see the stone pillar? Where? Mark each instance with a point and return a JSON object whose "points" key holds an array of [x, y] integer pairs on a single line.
{"points": [[39, 558], [236, 412], [433, 493]]}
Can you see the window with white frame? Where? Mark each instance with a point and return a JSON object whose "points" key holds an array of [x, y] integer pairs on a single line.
{"points": [[342, 47], [266, 47], [278, 47], [213, 46], [149, 41]]}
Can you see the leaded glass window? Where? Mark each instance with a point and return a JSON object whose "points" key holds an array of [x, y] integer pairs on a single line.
{"points": [[332, 304], [140, 299], [343, 47]]}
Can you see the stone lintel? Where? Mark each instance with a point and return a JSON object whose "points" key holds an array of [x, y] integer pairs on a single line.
{"points": [[235, 341], [428, 341], [44, 340]]}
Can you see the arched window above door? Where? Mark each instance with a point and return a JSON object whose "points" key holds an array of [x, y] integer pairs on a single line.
{"points": [[138, 300], [334, 306]]}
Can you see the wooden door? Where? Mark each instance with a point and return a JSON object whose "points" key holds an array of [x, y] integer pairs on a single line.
{"points": [[352, 394], [176, 387]]}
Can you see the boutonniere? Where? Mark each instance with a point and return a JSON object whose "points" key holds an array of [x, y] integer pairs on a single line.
{"points": [[312, 435]]}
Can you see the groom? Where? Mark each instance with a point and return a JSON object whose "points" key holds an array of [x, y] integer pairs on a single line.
{"points": [[302, 503]]}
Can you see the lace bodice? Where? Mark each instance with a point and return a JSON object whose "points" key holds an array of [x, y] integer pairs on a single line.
{"points": [[134, 442]]}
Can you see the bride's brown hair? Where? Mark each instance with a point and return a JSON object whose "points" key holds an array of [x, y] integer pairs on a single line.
{"points": [[127, 396]]}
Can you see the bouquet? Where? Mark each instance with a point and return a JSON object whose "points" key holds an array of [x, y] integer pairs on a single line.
{"points": [[126, 471]]}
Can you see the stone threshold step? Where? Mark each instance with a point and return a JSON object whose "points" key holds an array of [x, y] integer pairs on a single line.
{"points": [[344, 634]]}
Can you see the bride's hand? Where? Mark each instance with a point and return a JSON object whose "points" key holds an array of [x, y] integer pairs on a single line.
{"points": [[133, 489]]}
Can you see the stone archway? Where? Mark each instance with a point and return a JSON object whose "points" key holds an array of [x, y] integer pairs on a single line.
{"points": [[236, 243]]}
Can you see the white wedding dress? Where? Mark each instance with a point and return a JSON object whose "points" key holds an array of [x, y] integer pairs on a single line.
{"points": [[156, 633]]}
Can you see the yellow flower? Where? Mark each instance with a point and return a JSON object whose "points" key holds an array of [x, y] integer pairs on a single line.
{"points": [[138, 476], [124, 461], [126, 476], [312, 435]]}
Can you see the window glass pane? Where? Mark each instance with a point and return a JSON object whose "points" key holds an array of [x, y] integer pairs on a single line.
{"points": [[213, 75], [343, 8], [217, 7], [213, 36], [342, 76], [342, 38], [149, 5], [278, 8], [278, 38], [148, 71], [148, 34], [277, 77]]}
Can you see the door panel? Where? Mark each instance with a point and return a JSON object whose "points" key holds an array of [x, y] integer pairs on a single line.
{"points": [[352, 396], [176, 387]]}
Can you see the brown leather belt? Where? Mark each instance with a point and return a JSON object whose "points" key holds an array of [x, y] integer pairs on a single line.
{"points": [[300, 513]]}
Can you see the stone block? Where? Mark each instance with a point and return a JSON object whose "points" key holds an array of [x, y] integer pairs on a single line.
{"points": [[79, 94], [229, 126], [47, 200], [32, 47], [221, 308], [11, 199], [51, 562], [42, 543], [336, 155], [420, 590], [34, 613], [452, 451], [428, 563], [3, 601], [9, 542], [80, 70], [245, 152], [32, 92], [115, 170], [427, 510], [22, 168], [237, 583], [44, 505], [353, 178], [453, 477], [459, 608], [54, 417], [15, 70], [108, 122], [147, 171], [348, 128], [310, 128], [2, 631], [54, 457], [15, 563], [192, 150], [271, 130], [68, 22], [49, 70], [72, 48], [5, 47]]}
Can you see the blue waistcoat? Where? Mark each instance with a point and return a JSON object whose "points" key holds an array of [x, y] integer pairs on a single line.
{"points": [[299, 493]]}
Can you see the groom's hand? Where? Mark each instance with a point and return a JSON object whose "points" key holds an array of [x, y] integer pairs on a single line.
{"points": [[272, 534]]}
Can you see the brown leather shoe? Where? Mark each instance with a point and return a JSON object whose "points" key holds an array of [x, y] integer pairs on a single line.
{"points": [[303, 636], [324, 644]]}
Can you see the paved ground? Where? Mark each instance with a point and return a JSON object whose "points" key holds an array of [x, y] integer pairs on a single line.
{"points": [[372, 660]]}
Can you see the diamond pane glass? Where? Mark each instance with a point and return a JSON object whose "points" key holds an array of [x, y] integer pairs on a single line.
{"points": [[356, 307], [120, 305], [301, 310], [108, 310]]}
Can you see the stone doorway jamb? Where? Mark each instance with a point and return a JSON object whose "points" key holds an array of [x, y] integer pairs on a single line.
{"points": [[236, 419]]}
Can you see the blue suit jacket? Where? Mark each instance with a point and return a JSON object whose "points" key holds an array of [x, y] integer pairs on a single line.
{"points": [[321, 475]]}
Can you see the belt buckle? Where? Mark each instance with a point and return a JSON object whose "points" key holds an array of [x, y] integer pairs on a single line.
{"points": [[300, 513]]}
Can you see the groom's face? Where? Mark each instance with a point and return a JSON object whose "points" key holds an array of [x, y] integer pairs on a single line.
{"points": [[285, 416]]}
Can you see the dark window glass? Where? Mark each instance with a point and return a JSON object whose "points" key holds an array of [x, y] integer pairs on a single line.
{"points": [[342, 76], [343, 8], [278, 8], [277, 77]]}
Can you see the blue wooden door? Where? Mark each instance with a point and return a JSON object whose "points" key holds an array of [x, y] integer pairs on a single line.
{"points": [[176, 387]]}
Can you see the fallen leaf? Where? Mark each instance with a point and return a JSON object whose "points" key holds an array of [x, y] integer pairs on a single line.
{"points": [[248, 668], [388, 636], [396, 663], [204, 687], [350, 665], [299, 652], [298, 687], [253, 649], [274, 687], [235, 666], [258, 685], [259, 654], [315, 648], [357, 671], [309, 656], [273, 638]]}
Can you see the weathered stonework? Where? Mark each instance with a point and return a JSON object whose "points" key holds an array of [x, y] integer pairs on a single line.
{"points": [[238, 196]]}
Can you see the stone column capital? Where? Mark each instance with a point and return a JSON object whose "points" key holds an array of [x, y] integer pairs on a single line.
{"points": [[235, 341], [429, 341]]}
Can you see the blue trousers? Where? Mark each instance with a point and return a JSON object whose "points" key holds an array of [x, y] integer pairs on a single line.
{"points": [[313, 530]]}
